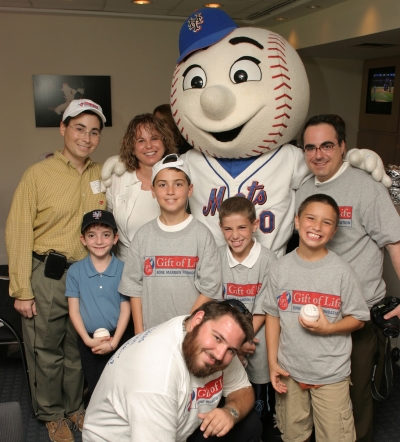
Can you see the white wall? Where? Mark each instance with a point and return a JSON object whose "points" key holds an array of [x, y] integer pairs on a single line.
{"points": [[335, 88], [139, 55]]}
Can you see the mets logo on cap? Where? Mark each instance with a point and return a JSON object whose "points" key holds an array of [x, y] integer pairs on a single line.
{"points": [[195, 22]]}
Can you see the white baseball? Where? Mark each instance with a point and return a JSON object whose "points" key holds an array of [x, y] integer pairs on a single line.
{"points": [[309, 312], [101, 333]]}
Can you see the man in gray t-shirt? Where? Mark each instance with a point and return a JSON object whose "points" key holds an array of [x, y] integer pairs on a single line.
{"points": [[368, 222]]}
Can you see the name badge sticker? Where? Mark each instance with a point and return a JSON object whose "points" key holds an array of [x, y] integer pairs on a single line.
{"points": [[96, 186], [122, 198]]}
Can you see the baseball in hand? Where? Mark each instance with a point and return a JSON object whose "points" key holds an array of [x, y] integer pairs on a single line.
{"points": [[309, 312], [101, 333]]}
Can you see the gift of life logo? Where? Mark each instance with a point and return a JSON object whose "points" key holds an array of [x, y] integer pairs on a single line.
{"points": [[346, 216], [152, 263], [231, 290], [284, 300], [210, 393], [295, 299], [148, 266]]}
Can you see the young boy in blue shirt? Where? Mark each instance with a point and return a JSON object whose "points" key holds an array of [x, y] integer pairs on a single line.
{"points": [[93, 298], [245, 265]]}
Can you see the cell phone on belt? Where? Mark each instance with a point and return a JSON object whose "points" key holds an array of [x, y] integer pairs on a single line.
{"points": [[55, 265]]}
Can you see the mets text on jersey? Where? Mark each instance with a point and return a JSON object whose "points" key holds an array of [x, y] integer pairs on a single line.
{"points": [[255, 193], [293, 300], [210, 394], [170, 265], [242, 292], [346, 216]]}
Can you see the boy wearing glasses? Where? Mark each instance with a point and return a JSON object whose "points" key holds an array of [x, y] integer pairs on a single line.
{"points": [[172, 266], [368, 222], [245, 264], [42, 238], [309, 360]]}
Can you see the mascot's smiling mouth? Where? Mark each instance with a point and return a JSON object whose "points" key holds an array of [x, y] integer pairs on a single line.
{"points": [[228, 135]]}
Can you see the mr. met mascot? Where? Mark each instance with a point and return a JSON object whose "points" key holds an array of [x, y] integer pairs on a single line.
{"points": [[238, 96]]}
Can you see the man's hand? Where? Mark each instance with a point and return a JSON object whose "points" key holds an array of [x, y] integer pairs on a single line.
{"points": [[275, 373], [26, 307], [394, 312], [111, 165], [370, 162], [216, 422], [322, 326], [249, 347]]}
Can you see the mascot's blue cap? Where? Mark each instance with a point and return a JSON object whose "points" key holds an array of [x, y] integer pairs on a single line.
{"points": [[203, 28]]}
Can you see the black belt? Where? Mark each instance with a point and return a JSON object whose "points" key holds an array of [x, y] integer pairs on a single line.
{"points": [[43, 258]]}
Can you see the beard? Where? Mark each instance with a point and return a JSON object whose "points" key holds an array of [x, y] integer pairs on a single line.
{"points": [[192, 350]]}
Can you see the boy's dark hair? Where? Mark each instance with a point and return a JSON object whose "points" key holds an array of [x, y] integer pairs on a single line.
{"points": [[320, 198], [68, 119], [235, 205], [84, 231], [172, 160], [333, 120], [214, 310]]}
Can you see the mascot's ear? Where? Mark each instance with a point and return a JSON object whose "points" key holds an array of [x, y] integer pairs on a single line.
{"points": [[371, 162], [111, 165]]}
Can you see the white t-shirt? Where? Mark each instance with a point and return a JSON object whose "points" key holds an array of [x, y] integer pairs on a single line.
{"points": [[147, 394], [147, 208]]}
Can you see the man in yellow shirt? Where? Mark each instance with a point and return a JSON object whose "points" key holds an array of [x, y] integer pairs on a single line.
{"points": [[42, 238]]}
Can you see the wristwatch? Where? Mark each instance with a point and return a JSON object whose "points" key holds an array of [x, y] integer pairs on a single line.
{"points": [[233, 412]]}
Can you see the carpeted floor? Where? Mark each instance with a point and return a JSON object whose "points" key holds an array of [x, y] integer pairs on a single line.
{"points": [[13, 387]]}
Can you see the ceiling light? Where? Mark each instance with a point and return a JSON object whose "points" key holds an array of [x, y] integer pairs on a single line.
{"points": [[141, 2], [213, 5], [281, 19], [313, 7]]}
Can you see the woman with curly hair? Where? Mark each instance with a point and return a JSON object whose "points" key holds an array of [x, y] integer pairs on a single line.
{"points": [[146, 141]]}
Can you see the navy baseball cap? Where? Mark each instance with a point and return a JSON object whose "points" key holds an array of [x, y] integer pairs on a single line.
{"points": [[99, 216], [203, 28]]}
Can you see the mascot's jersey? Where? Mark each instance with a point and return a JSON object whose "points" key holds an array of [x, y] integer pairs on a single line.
{"points": [[269, 183]]}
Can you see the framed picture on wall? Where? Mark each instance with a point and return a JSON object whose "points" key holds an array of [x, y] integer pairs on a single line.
{"points": [[53, 93]]}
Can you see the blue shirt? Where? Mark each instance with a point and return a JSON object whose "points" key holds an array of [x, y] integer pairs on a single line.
{"points": [[99, 299]]}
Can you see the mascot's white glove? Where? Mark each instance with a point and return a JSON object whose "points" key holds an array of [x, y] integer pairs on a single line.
{"points": [[111, 165], [371, 162]]}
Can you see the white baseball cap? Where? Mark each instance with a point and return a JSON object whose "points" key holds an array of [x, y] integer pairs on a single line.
{"points": [[76, 107], [171, 160]]}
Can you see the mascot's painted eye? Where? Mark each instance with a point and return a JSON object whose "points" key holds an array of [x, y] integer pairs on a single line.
{"points": [[194, 78], [245, 69]]}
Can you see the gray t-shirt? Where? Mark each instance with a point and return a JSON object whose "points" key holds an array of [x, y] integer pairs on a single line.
{"points": [[331, 282], [368, 222], [248, 285], [169, 270]]}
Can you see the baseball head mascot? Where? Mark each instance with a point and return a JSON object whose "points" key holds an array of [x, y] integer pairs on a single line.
{"points": [[238, 96]]}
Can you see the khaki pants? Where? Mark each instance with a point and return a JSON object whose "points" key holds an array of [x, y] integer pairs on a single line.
{"points": [[56, 369], [328, 408]]}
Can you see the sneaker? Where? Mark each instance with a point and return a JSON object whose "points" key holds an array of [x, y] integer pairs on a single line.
{"points": [[78, 419], [59, 431]]}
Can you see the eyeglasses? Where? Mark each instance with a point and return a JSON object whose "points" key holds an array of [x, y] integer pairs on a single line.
{"points": [[237, 304], [81, 132], [325, 148]]}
